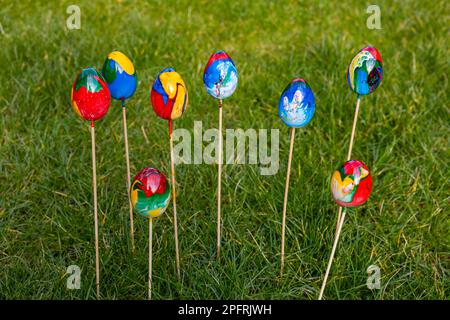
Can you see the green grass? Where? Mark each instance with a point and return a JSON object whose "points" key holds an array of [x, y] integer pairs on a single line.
{"points": [[403, 136]]}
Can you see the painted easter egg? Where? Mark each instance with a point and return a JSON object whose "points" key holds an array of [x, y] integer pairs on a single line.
{"points": [[150, 193], [365, 72], [296, 105], [120, 75], [220, 76], [351, 184], [90, 95], [169, 95]]}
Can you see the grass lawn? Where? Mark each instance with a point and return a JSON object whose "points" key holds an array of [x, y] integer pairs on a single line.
{"points": [[403, 135]]}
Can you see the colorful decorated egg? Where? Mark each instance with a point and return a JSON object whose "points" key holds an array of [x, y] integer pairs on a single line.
{"points": [[296, 105], [120, 75], [351, 184], [220, 76], [365, 72], [90, 95], [169, 95], [150, 193]]}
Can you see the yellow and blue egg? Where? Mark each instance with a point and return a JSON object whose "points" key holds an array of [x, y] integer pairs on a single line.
{"points": [[120, 75]]}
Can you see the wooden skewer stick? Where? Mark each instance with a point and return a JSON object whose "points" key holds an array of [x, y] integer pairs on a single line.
{"points": [[127, 157], [94, 187], [341, 216], [349, 155], [286, 191], [355, 120], [341, 222], [150, 256], [338, 220], [219, 182], [174, 201]]}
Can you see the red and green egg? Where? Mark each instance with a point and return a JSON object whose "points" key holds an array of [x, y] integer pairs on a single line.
{"points": [[90, 95]]}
